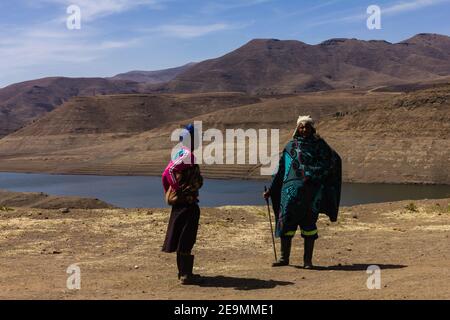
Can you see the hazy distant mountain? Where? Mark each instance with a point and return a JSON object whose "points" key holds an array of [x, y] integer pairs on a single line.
{"points": [[158, 76], [266, 66]]}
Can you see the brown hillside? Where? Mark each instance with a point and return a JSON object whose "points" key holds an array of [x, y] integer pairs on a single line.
{"points": [[83, 120], [267, 66], [23, 102], [406, 140], [382, 137]]}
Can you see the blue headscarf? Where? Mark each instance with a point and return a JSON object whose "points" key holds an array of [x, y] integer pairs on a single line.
{"points": [[189, 132]]}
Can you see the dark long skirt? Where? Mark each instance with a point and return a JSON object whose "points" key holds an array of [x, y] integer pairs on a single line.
{"points": [[182, 229]]}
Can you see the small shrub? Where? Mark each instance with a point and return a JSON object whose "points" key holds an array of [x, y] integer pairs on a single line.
{"points": [[4, 208], [411, 207]]}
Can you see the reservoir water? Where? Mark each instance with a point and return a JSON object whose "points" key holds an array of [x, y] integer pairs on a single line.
{"points": [[146, 192]]}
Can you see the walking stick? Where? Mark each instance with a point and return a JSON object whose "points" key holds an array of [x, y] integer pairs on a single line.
{"points": [[271, 228]]}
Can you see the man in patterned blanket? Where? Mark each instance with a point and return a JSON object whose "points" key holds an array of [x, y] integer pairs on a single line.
{"points": [[308, 182]]}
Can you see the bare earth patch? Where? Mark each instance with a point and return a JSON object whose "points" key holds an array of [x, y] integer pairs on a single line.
{"points": [[119, 254]]}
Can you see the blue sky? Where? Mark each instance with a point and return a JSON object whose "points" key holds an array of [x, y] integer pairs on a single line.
{"points": [[122, 35]]}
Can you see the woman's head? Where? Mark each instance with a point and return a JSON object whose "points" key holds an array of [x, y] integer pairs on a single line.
{"points": [[305, 127]]}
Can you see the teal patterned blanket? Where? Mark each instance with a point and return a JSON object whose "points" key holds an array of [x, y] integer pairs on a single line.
{"points": [[308, 178]]}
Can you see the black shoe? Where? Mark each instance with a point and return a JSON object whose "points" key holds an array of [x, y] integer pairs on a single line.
{"points": [[189, 279], [187, 265], [286, 243], [280, 263], [186, 279]]}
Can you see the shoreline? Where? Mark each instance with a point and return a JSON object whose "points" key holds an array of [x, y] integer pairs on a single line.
{"points": [[41, 200], [207, 176]]}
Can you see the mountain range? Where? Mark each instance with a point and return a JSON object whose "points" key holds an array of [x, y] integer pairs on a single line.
{"points": [[260, 67], [270, 66]]}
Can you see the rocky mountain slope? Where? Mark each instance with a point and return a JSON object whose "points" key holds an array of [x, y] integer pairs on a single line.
{"points": [[24, 102], [268, 66]]}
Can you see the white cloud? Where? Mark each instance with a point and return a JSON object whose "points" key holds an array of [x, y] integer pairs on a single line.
{"points": [[218, 6], [51, 43], [43, 45], [411, 5], [391, 10], [190, 31], [310, 9], [93, 9]]}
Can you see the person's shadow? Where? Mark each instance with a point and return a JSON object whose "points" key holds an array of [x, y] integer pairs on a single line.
{"points": [[239, 283], [355, 267]]}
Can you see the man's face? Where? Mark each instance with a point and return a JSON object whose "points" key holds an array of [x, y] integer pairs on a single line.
{"points": [[305, 130]]}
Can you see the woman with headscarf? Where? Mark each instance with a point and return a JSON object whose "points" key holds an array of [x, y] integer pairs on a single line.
{"points": [[181, 182], [308, 181]]}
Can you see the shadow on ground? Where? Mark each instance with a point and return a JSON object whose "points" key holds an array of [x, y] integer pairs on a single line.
{"points": [[240, 283], [355, 267]]}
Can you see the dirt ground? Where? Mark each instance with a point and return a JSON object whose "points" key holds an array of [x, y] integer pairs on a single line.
{"points": [[118, 252]]}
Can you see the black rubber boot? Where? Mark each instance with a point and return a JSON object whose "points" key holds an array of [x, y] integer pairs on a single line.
{"points": [[308, 253], [286, 243], [179, 265], [187, 265]]}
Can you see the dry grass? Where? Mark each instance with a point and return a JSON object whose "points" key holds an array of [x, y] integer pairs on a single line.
{"points": [[119, 254]]}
